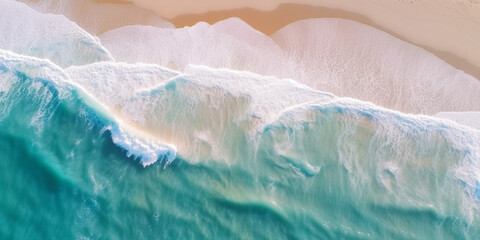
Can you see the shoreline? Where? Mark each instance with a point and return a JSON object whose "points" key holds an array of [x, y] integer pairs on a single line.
{"points": [[448, 29], [268, 22]]}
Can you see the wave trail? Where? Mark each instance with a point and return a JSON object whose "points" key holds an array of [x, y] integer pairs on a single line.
{"points": [[274, 139], [343, 57], [46, 86], [355, 60], [215, 46], [364, 155]]}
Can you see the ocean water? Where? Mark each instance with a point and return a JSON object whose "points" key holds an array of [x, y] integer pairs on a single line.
{"points": [[93, 148]]}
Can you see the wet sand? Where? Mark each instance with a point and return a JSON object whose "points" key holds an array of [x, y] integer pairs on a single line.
{"points": [[269, 22], [449, 29]]}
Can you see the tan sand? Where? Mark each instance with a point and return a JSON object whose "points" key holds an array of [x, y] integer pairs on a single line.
{"points": [[113, 1], [97, 18], [448, 28], [270, 21]]}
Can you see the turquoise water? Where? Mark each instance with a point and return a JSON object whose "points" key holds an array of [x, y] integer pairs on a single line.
{"points": [[91, 148], [339, 169]]}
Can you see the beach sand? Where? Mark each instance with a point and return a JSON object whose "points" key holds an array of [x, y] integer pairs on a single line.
{"points": [[269, 22], [447, 28]]}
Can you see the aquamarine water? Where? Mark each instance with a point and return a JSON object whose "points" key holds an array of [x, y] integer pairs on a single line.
{"points": [[109, 150], [335, 170]]}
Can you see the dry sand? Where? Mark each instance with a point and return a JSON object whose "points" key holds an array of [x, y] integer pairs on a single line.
{"points": [[448, 28]]}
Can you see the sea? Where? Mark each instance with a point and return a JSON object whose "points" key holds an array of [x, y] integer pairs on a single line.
{"points": [[92, 147]]}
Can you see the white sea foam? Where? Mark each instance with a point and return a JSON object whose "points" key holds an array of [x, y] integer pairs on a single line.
{"points": [[97, 18], [41, 69], [25, 31], [355, 60], [193, 110], [51, 84], [146, 150], [471, 119], [382, 151], [210, 113], [199, 109], [6, 80], [114, 83], [234, 116], [368, 153], [339, 56], [101, 86], [228, 44]]}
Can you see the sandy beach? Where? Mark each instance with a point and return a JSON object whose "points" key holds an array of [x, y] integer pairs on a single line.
{"points": [[448, 29]]}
